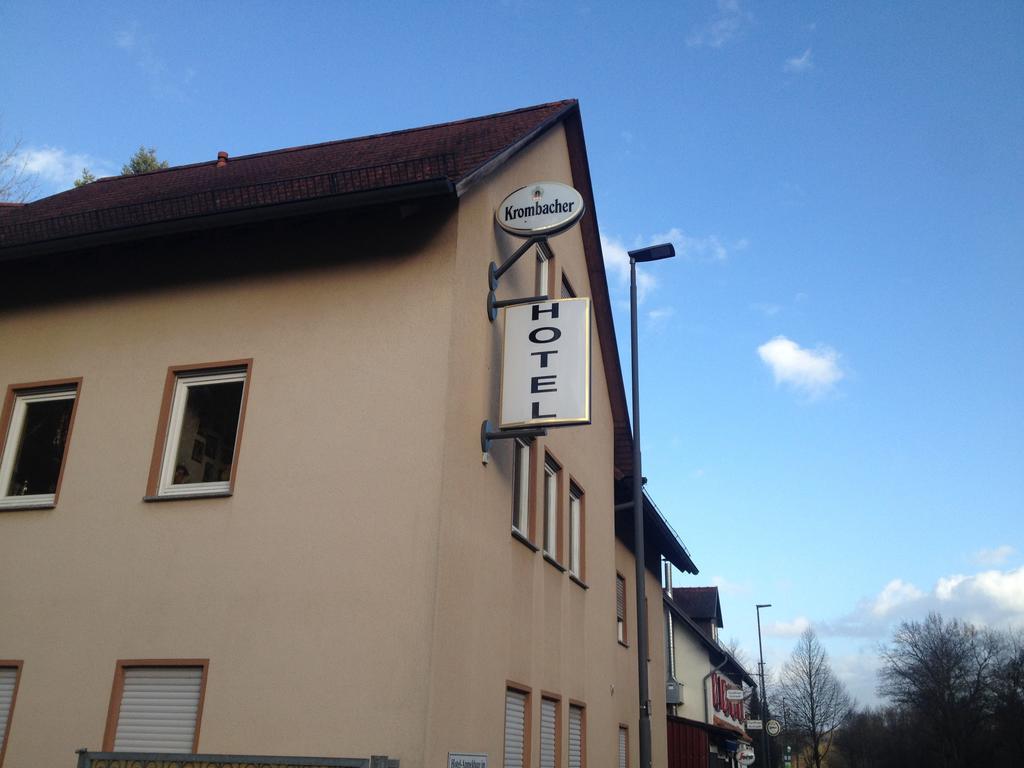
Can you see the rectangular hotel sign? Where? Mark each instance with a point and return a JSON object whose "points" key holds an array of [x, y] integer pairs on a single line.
{"points": [[545, 364]]}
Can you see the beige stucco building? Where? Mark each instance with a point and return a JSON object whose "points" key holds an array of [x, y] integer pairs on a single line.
{"points": [[259, 487], [706, 725]]}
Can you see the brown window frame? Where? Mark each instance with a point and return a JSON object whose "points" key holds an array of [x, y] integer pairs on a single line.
{"points": [[583, 733], [527, 691], [624, 640], [16, 390], [581, 495], [117, 692], [16, 664], [556, 699], [566, 287], [556, 557], [174, 372], [528, 535]]}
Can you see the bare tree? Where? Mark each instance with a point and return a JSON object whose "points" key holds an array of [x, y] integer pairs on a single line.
{"points": [[945, 672], [16, 184], [817, 703]]}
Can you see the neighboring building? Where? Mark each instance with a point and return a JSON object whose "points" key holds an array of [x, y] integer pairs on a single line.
{"points": [[243, 507], [705, 727]]}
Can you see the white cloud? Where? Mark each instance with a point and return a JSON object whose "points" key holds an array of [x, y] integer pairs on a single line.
{"points": [[707, 248], [894, 594], [766, 309], [616, 262], [990, 598], [813, 372], [799, 64], [984, 598], [995, 556], [57, 168], [792, 628], [164, 81], [858, 670], [661, 315], [727, 586], [727, 23]]}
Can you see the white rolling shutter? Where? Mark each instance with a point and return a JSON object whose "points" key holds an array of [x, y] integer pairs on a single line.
{"points": [[623, 748], [515, 729], [159, 706], [548, 733], [575, 737], [8, 679]]}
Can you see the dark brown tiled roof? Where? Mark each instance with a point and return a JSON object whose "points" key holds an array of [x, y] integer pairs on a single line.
{"points": [[450, 152], [700, 603]]}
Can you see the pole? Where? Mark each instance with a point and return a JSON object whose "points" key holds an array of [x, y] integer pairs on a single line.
{"points": [[764, 693], [638, 534]]}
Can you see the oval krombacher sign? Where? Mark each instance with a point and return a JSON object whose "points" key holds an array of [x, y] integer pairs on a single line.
{"points": [[541, 208]]}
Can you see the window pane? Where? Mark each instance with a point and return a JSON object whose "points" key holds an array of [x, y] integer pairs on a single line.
{"points": [[520, 486], [206, 446], [41, 447], [550, 508], [574, 532]]}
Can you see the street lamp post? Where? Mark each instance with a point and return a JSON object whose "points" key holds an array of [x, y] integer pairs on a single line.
{"points": [[764, 693], [651, 253]]}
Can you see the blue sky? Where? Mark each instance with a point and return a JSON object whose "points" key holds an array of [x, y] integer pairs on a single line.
{"points": [[833, 368]]}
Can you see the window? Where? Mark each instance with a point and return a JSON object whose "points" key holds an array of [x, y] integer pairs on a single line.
{"points": [[517, 733], [620, 606], [36, 426], [567, 290], [577, 737], [521, 495], [10, 673], [545, 269], [156, 706], [623, 746], [552, 481], [200, 425], [549, 731], [576, 531]]}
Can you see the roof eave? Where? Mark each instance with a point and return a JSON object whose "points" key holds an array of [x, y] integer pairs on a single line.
{"points": [[440, 187]]}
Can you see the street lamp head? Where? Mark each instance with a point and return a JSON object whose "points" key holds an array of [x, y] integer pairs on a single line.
{"points": [[653, 253], [763, 605]]}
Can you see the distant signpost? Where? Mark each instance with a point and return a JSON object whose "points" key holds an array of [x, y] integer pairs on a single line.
{"points": [[754, 725], [773, 727]]}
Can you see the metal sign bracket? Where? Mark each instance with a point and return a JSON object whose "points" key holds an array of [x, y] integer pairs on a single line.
{"points": [[494, 273], [488, 433]]}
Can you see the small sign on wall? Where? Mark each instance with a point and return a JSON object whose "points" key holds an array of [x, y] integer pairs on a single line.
{"points": [[467, 760], [545, 367]]}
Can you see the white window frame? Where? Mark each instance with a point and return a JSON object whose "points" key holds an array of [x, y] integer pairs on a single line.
{"points": [[185, 380], [544, 265], [521, 487], [12, 444], [551, 483], [575, 530]]}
